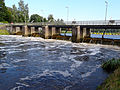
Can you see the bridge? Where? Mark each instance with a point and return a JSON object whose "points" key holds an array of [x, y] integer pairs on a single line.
{"points": [[80, 29]]}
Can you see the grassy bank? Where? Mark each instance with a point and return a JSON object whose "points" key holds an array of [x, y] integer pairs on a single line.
{"points": [[4, 32], [113, 81]]}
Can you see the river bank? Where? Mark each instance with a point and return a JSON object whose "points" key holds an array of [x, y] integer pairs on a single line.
{"points": [[112, 82]]}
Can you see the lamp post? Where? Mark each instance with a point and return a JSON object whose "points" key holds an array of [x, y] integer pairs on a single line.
{"points": [[105, 18], [25, 17], [106, 11], [67, 13], [43, 17]]}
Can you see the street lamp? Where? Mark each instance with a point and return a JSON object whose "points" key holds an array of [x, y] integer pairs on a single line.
{"points": [[25, 17], [105, 18], [106, 11], [67, 13]]}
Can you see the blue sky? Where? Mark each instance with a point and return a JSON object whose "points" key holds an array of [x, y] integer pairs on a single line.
{"points": [[78, 9]]}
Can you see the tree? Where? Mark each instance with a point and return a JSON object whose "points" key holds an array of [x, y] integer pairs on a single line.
{"points": [[5, 14], [50, 18], [36, 18], [44, 20], [23, 12], [14, 12]]}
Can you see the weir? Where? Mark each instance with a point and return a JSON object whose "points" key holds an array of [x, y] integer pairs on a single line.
{"points": [[79, 32]]}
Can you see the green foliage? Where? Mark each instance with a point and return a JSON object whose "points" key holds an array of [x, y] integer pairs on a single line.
{"points": [[5, 14], [50, 18], [111, 65], [4, 32], [23, 12], [4, 22], [36, 18], [20, 14], [112, 82]]}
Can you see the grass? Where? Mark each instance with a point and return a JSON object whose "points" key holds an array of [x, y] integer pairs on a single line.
{"points": [[111, 65], [4, 32], [112, 82]]}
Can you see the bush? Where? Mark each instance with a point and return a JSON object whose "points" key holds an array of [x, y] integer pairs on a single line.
{"points": [[111, 65], [4, 22], [4, 32]]}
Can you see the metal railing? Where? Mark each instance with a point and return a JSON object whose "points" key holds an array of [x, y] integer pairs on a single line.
{"points": [[97, 22]]}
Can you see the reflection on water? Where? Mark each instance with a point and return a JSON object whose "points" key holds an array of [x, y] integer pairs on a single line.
{"points": [[106, 36], [98, 36], [28, 63]]}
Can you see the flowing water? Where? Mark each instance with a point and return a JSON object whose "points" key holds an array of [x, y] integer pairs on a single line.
{"points": [[29, 63]]}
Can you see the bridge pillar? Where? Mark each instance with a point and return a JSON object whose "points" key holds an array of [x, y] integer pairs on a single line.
{"points": [[77, 34], [58, 30], [53, 31], [17, 29], [86, 32], [36, 30], [25, 30], [13, 30], [48, 32], [32, 30]]}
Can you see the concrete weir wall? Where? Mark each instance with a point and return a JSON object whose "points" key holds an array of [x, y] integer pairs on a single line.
{"points": [[78, 32]]}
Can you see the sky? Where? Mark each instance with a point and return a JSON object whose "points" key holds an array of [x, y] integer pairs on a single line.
{"points": [[79, 10]]}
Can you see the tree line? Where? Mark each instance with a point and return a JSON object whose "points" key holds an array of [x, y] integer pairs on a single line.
{"points": [[21, 14]]}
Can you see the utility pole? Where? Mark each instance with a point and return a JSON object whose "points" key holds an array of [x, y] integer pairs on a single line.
{"points": [[105, 18], [106, 11], [67, 14], [25, 18]]}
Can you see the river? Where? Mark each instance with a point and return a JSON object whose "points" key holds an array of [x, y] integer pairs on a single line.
{"points": [[33, 63]]}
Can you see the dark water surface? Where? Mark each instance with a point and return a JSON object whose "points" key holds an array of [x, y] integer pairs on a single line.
{"points": [[28, 63]]}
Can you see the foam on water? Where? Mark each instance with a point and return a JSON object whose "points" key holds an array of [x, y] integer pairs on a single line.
{"points": [[51, 58], [5, 65], [19, 60], [89, 73]]}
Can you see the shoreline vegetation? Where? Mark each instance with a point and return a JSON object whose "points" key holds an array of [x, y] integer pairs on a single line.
{"points": [[4, 32], [113, 81]]}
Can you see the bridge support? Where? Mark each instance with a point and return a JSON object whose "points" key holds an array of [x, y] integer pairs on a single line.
{"points": [[32, 30], [17, 29], [53, 31], [25, 30], [13, 30], [86, 32], [58, 30], [48, 32], [77, 34]]}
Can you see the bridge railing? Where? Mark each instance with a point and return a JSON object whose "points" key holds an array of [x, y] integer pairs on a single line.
{"points": [[97, 22], [40, 23]]}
